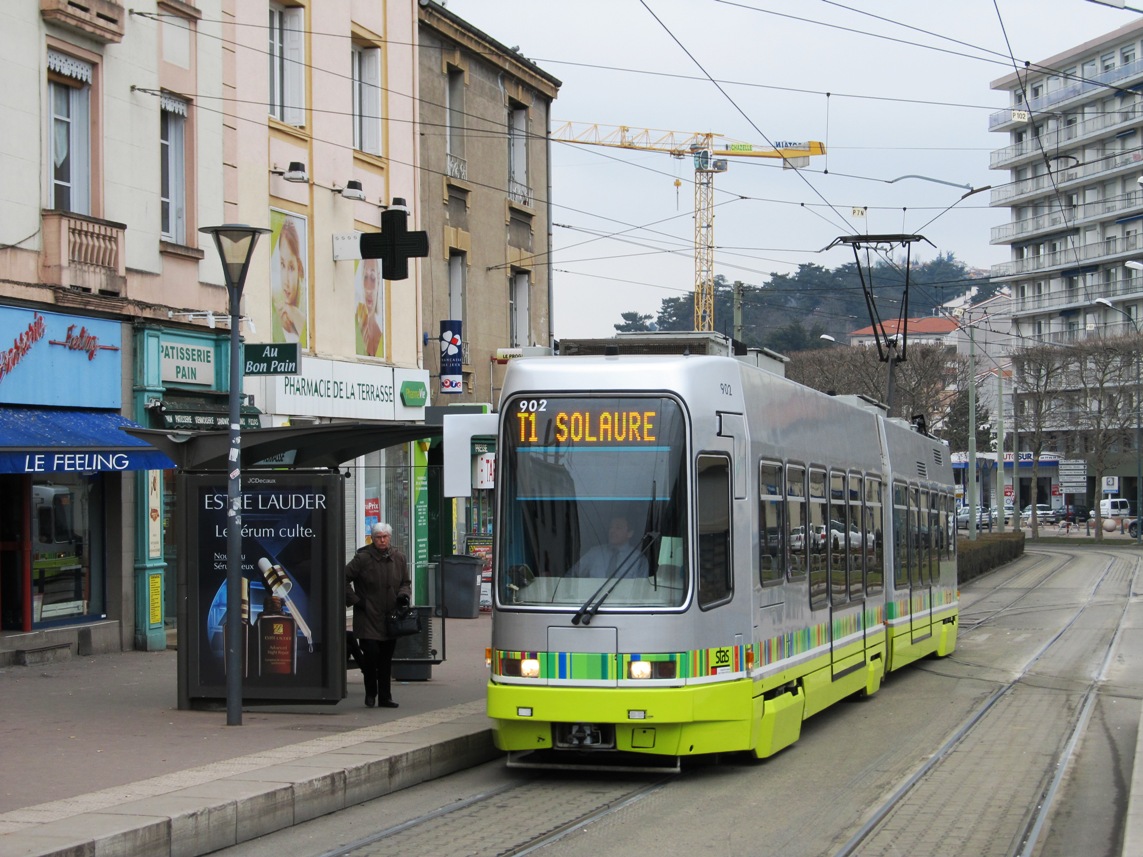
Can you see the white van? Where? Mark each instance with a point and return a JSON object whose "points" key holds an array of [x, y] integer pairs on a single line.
{"points": [[1114, 508]]}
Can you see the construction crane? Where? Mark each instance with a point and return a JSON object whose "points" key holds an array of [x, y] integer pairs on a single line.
{"points": [[709, 152]]}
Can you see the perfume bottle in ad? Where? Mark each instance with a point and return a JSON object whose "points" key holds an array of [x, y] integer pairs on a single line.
{"points": [[280, 585], [244, 634], [277, 635]]}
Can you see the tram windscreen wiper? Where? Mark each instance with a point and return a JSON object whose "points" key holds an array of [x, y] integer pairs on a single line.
{"points": [[591, 606]]}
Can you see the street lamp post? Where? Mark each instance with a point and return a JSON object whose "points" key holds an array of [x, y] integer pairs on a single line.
{"points": [[1104, 302], [235, 245]]}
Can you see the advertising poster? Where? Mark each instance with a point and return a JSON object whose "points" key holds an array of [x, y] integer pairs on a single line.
{"points": [[292, 584], [452, 357], [289, 267], [369, 318]]}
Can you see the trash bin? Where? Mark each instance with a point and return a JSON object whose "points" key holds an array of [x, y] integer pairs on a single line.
{"points": [[462, 586]]}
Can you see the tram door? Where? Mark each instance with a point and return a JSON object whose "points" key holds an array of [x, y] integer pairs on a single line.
{"points": [[922, 560]]}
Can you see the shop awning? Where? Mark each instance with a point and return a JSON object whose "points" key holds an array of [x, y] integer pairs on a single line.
{"points": [[324, 446], [61, 440]]}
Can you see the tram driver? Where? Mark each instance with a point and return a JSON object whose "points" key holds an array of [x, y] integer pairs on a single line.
{"points": [[617, 556]]}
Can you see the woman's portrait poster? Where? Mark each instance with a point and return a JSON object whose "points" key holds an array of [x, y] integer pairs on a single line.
{"points": [[289, 268], [369, 318]]}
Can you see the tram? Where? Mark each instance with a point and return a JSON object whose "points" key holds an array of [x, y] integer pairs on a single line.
{"points": [[694, 554]]}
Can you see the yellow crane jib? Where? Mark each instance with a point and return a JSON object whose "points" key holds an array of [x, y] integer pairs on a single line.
{"points": [[709, 152]]}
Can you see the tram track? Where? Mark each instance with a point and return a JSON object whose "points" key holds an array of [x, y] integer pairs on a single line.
{"points": [[878, 835], [517, 819]]}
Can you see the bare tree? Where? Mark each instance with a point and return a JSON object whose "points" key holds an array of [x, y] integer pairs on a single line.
{"points": [[1038, 372], [1102, 402], [923, 384]]}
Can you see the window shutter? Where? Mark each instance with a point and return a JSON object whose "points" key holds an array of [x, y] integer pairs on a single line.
{"points": [[294, 54], [371, 101]]}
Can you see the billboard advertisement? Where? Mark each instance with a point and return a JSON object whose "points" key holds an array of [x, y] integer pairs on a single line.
{"points": [[293, 588]]}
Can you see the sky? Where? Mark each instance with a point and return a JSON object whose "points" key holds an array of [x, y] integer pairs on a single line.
{"points": [[893, 88]]}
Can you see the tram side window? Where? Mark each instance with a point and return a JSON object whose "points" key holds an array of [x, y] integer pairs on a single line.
{"points": [[948, 526], [858, 546], [817, 534], [918, 520], [714, 544], [771, 529], [837, 534], [900, 538], [874, 534], [796, 515], [935, 540]]}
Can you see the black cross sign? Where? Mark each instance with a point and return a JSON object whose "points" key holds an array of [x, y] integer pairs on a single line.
{"points": [[394, 245]]}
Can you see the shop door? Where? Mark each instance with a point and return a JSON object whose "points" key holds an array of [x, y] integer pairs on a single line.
{"points": [[15, 553]]}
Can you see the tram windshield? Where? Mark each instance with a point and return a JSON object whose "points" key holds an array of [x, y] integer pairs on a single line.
{"points": [[593, 503]]}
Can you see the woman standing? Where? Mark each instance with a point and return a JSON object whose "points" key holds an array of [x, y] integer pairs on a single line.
{"points": [[377, 582]]}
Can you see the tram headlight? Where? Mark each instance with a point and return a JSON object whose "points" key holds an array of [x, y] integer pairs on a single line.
{"points": [[643, 670], [520, 667]]}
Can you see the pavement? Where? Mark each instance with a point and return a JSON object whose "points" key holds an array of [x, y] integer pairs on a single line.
{"points": [[98, 760]]}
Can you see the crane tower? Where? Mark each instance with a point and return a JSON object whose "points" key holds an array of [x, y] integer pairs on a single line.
{"points": [[709, 152]]}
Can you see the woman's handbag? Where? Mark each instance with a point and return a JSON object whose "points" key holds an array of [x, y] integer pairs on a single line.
{"points": [[403, 622]]}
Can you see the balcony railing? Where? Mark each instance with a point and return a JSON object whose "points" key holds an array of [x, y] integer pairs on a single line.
{"points": [[102, 20], [1050, 183], [83, 253], [1067, 218], [1069, 256], [457, 168], [1066, 93], [1064, 298], [519, 193], [1049, 141]]}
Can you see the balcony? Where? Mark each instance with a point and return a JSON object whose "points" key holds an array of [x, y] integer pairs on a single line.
{"points": [[83, 253], [1059, 299], [1094, 253], [1050, 141], [1069, 218], [519, 193], [1050, 183], [457, 168], [102, 20], [1075, 89]]}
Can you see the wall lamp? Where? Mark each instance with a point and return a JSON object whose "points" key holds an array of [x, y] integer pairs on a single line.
{"points": [[295, 172], [195, 315], [210, 318], [353, 190]]}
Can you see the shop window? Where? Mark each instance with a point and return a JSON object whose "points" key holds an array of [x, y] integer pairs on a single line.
{"points": [[66, 529]]}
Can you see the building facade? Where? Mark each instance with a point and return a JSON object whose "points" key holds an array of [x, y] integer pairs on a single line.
{"points": [[485, 184], [1073, 155], [109, 167]]}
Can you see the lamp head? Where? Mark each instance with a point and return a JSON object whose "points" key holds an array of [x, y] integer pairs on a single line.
{"points": [[353, 190], [296, 172]]}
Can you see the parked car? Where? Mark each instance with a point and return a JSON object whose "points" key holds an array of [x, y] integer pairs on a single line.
{"points": [[1076, 513], [1045, 514]]}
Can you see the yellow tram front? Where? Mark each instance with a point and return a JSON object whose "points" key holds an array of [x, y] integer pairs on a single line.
{"points": [[596, 646]]}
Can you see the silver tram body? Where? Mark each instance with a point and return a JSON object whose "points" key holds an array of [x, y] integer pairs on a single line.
{"points": [[790, 548]]}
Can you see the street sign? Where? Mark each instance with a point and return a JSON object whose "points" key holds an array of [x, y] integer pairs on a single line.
{"points": [[1073, 476], [271, 358]]}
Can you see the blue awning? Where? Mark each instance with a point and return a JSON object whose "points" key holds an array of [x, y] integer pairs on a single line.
{"points": [[59, 440]]}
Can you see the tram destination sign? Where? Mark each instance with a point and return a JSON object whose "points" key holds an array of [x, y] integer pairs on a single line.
{"points": [[271, 358]]}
